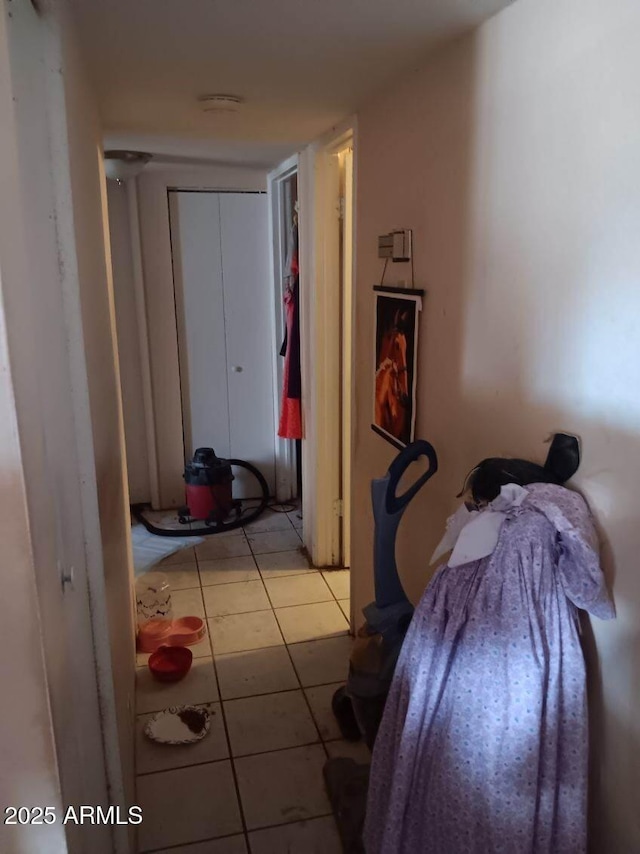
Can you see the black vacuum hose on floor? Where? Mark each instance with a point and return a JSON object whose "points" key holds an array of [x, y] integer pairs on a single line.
{"points": [[207, 530]]}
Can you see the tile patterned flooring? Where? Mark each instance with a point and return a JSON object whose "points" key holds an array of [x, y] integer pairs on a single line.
{"points": [[277, 648]]}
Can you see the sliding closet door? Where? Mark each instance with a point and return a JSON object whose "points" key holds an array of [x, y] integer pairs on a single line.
{"points": [[197, 275], [248, 315], [223, 309]]}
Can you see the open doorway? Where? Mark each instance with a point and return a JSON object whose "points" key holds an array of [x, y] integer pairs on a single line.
{"points": [[287, 297], [314, 193], [264, 607], [326, 251]]}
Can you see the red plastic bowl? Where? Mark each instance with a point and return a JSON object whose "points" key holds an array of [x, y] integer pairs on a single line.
{"points": [[170, 663]]}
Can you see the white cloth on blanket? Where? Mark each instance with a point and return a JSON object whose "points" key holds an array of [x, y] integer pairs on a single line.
{"points": [[473, 534]]}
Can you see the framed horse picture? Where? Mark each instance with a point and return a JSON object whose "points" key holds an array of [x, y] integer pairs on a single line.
{"points": [[396, 360]]}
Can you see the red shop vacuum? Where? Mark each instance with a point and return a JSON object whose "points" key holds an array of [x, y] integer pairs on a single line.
{"points": [[209, 494], [208, 482]]}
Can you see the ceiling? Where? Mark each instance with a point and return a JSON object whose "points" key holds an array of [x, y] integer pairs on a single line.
{"points": [[300, 65]]}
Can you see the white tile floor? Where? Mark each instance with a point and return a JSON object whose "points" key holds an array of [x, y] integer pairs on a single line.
{"points": [[277, 649]]}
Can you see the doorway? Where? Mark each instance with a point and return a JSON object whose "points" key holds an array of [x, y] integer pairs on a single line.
{"points": [[284, 226], [326, 187]]}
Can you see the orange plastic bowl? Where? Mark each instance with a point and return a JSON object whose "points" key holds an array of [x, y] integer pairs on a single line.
{"points": [[184, 631], [170, 663]]}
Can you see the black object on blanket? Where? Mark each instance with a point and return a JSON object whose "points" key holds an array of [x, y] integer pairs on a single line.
{"points": [[487, 478]]}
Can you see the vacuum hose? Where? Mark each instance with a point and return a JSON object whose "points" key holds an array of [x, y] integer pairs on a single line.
{"points": [[208, 530]]}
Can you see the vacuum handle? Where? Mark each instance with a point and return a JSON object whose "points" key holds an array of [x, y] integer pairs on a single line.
{"points": [[410, 454]]}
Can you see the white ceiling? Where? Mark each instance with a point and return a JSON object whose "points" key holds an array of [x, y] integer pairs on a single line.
{"points": [[301, 65]]}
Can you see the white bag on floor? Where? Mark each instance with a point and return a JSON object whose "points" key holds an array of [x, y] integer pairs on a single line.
{"points": [[149, 549]]}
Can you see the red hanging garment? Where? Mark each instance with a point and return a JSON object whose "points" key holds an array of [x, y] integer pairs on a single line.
{"points": [[290, 426]]}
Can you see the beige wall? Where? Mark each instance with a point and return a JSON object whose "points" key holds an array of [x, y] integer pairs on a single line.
{"points": [[99, 334], [48, 482], [128, 343], [514, 156], [29, 772], [27, 751]]}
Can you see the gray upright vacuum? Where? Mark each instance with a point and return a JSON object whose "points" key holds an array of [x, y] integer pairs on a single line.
{"points": [[358, 705]]}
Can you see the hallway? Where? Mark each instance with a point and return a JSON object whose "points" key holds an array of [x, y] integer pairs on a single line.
{"points": [[497, 141], [278, 647]]}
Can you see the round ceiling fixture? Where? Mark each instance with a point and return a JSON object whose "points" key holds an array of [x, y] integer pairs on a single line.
{"points": [[120, 165], [220, 103]]}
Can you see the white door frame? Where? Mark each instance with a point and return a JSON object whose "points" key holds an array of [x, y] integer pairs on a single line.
{"points": [[348, 338], [284, 448], [320, 333]]}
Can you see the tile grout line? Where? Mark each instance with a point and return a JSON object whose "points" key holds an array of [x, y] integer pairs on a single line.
{"points": [[180, 845], [283, 691], [185, 768], [235, 613], [290, 574], [273, 646], [222, 712], [277, 608], [233, 835], [246, 830], [276, 750], [334, 594], [273, 609], [264, 586], [288, 823], [304, 693], [224, 759], [230, 757], [297, 821], [226, 734], [247, 580]]}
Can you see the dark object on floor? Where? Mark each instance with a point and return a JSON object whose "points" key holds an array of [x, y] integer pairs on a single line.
{"points": [[487, 478], [170, 663], [347, 783], [379, 640], [195, 719], [342, 708], [210, 500]]}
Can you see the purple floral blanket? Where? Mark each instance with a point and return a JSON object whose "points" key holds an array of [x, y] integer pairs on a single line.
{"points": [[483, 744]]}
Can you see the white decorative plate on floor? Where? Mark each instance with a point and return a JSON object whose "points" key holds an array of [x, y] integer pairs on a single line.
{"points": [[178, 725]]}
